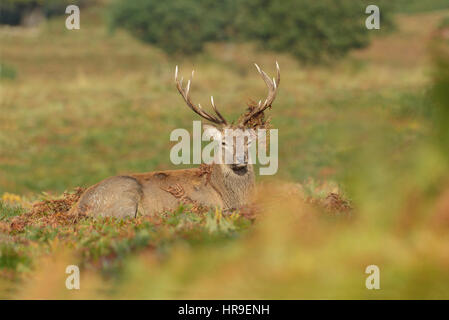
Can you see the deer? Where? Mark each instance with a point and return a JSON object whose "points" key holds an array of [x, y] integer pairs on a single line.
{"points": [[217, 185]]}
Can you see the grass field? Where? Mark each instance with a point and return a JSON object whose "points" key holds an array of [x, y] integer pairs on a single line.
{"points": [[83, 105]]}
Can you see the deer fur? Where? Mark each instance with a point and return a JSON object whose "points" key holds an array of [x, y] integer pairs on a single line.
{"points": [[159, 191]]}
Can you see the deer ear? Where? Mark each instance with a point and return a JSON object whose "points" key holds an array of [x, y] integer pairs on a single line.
{"points": [[211, 131]]}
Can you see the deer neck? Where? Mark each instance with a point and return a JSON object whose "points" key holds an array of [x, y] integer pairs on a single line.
{"points": [[235, 188]]}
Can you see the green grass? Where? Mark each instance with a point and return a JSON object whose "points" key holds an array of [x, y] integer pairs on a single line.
{"points": [[9, 211], [109, 104], [7, 72]]}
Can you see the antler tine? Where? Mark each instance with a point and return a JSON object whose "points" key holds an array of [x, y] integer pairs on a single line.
{"points": [[188, 88], [216, 111], [197, 109], [272, 90], [267, 79], [278, 74], [184, 94]]}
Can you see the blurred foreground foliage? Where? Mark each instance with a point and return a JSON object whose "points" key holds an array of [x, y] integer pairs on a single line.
{"points": [[440, 88], [409, 181]]}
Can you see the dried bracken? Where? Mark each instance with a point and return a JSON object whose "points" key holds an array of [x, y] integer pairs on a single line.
{"points": [[333, 203], [205, 169], [53, 212], [178, 192], [257, 121]]}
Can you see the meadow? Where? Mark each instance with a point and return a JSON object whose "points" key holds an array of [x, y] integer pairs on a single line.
{"points": [[361, 180]]}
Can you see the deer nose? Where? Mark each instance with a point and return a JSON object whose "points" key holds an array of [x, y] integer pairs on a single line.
{"points": [[240, 159]]}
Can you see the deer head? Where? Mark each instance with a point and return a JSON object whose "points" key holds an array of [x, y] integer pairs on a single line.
{"points": [[224, 132]]}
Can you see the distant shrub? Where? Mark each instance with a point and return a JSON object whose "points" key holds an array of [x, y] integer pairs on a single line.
{"points": [[176, 26], [312, 31], [7, 71], [15, 12], [413, 6]]}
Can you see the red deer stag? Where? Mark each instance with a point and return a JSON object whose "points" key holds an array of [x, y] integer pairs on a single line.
{"points": [[226, 186]]}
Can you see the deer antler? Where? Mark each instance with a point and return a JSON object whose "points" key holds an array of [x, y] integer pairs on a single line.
{"points": [[219, 119], [272, 85]]}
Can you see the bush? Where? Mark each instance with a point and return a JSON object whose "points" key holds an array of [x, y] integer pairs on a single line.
{"points": [[312, 31], [176, 26], [13, 12], [414, 6]]}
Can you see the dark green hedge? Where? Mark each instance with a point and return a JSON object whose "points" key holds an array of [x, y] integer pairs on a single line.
{"points": [[312, 31], [13, 11], [176, 26]]}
